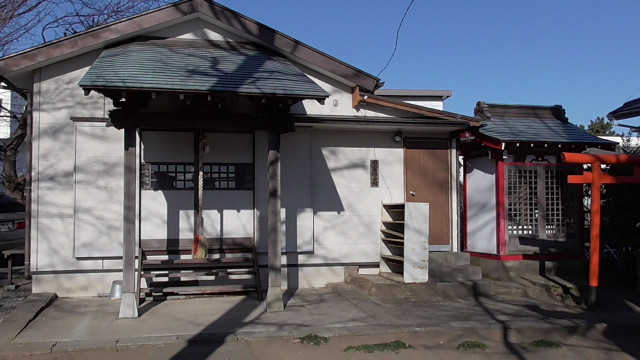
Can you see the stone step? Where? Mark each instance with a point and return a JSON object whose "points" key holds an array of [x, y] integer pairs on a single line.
{"points": [[455, 273], [440, 259], [464, 289], [377, 286]]}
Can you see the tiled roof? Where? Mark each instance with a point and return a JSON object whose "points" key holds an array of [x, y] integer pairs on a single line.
{"points": [[512, 123], [202, 66]]}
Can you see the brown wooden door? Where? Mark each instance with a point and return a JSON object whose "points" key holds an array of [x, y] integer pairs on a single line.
{"points": [[427, 180]]}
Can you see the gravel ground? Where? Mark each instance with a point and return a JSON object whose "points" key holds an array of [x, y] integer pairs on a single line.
{"points": [[9, 299]]}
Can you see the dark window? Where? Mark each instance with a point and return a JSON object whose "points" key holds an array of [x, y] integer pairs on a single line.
{"points": [[179, 176]]}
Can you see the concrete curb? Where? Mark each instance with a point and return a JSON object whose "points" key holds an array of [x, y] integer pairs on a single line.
{"points": [[480, 332]]}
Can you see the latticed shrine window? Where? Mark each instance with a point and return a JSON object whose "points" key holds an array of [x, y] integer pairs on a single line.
{"points": [[179, 176], [539, 202], [522, 194]]}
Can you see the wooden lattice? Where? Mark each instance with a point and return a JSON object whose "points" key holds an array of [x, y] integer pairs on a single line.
{"points": [[537, 199]]}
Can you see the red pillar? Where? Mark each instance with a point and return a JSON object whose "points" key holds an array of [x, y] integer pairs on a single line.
{"points": [[594, 258]]}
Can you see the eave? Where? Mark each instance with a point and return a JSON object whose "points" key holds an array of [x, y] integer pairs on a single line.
{"points": [[359, 97]]}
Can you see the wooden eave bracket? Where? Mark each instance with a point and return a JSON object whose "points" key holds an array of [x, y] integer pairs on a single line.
{"points": [[490, 143], [355, 96], [358, 97]]}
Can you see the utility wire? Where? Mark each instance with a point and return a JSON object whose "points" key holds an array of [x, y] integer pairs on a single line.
{"points": [[632, 94], [397, 36]]}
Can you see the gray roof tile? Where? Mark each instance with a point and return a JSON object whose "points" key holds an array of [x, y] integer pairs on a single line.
{"points": [[203, 66], [531, 123], [537, 130]]}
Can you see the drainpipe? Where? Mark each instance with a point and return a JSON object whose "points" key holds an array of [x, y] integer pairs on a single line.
{"points": [[27, 187]]}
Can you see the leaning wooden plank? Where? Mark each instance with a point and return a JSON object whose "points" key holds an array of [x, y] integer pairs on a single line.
{"points": [[391, 232]]}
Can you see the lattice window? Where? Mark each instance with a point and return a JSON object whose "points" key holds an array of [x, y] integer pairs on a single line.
{"points": [[537, 200], [554, 204], [522, 190], [179, 176]]}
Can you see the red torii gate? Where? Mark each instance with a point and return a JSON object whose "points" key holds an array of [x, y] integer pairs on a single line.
{"points": [[596, 178]]}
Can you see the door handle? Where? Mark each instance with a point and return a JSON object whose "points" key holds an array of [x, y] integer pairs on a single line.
{"points": [[413, 193]]}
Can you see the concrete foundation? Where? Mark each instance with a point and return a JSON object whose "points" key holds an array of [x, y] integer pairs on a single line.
{"points": [[507, 270]]}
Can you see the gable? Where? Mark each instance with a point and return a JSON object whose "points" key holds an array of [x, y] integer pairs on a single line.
{"points": [[233, 25]]}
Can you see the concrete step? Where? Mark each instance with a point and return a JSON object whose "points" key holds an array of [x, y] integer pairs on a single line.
{"points": [[443, 259], [377, 286], [455, 273], [464, 289]]}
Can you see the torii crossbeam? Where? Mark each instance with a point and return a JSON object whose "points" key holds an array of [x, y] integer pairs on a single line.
{"points": [[596, 178]]}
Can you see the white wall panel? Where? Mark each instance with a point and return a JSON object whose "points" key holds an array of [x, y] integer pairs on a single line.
{"points": [[481, 205], [166, 214], [228, 213], [347, 208], [99, 190], [297, 208], [196, 29], [55, 255]]}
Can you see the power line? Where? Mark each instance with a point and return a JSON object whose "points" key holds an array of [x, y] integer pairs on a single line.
{"points": [[632, 94], [397, 36]]}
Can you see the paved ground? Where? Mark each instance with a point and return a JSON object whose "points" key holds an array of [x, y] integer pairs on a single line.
{"points": [[592, 346], [239, 328]]}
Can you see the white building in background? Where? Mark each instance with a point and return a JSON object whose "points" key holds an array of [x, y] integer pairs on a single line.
{"points": [[10, 102]]}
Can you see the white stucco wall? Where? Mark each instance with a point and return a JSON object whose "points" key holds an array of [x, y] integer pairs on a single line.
{"points": [[481, 205], [61, 199], [345, 210]]}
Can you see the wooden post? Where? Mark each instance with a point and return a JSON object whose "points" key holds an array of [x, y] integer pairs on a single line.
{"points": [[274, 291], [129, 302]]}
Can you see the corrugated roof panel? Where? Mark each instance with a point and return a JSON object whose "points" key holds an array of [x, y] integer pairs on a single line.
{"points": [[198, 66]]}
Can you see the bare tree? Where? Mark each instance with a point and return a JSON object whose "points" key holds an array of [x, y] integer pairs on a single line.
{"points": [[27, 23], [14, 184]]}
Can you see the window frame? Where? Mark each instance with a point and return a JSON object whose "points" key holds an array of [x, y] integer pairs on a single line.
{"points": [[217, 176], [543, 208]]}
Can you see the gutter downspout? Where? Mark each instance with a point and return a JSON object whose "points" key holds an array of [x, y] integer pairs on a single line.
{"points": [[27, 187]]}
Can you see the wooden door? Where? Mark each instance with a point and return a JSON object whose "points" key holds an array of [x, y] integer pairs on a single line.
{"points": [[427, 180]]}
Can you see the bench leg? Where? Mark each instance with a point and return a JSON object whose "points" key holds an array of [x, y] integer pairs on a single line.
{"points": [[256, 277], [10, 269]]}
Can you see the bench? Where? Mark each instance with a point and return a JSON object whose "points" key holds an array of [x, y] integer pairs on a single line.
{"points": [[167, 266], [9, 254]]}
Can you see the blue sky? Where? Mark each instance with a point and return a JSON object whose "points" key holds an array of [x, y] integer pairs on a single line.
{"points": [[583, 55]]}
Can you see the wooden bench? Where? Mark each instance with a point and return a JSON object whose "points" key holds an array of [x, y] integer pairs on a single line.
{"points": [[167, 266], [9, 254]]}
